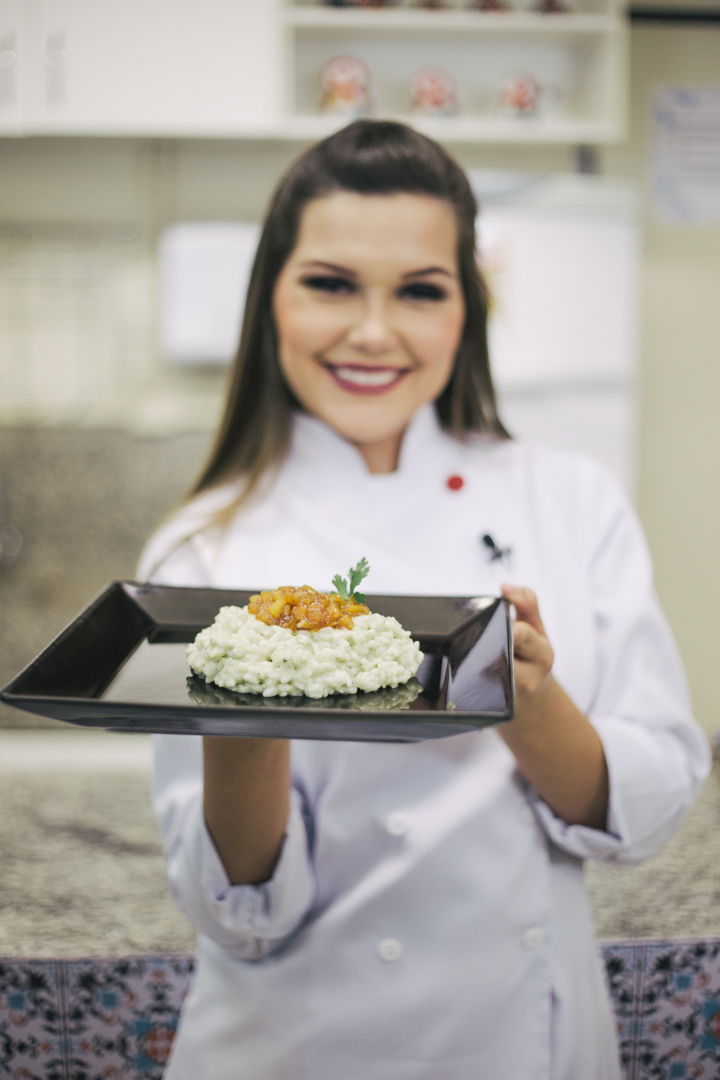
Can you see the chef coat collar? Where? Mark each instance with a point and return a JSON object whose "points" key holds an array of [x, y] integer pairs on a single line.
{"points": [[317, 446]]}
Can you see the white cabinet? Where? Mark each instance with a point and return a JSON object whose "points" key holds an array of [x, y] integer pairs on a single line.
{"points": [[11, 52], [562, 258], [155, 67]]}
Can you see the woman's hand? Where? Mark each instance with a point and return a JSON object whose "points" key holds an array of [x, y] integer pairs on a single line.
{"points": [[533, 652], [556, 747]]}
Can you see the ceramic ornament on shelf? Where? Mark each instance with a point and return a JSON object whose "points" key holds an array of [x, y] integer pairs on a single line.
{"points": [[345, 82], [520, 94], [432, 92]]}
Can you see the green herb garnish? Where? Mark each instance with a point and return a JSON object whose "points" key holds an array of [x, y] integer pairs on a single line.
{"points": [[355, 576]]}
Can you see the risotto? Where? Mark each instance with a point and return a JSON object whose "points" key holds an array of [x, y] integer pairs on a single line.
{"points": [[246, 655]]}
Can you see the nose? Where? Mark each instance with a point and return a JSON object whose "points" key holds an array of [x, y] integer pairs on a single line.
{"points": [[372, 334]]}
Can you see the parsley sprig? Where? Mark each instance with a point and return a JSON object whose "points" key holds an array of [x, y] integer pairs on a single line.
{"points": [[347, 588]]}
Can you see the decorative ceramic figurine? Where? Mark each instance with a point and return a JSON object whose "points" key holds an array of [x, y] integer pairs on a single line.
{"points": [[520, 94], [432, 90], [345, 82]]}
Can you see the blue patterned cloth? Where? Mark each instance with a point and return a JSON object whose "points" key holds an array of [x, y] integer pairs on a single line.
{"points": [[666, 996], [114, 1019], [90, 1019]]}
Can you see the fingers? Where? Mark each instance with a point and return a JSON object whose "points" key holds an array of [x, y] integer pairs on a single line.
{"points": [[533, 660], [531, 646], [526, 605]]}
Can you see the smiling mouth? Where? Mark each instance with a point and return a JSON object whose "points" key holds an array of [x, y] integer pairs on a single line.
{"points": [[358, 379]]}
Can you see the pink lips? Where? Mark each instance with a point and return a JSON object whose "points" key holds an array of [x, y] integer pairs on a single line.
{"points": [[359, 379]]}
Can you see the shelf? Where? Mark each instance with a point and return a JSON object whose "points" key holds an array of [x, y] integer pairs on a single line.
{"points": [[579, 58], [473, 129], [431, 22]]}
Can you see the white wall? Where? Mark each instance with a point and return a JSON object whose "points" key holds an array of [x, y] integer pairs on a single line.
{"points": [[679, 389]]}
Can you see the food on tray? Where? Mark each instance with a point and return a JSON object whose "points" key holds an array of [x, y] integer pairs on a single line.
{"points": [[296, 641]]}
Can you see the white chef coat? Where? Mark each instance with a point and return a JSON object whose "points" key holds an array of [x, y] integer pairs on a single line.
{"points": [[427, 919]]}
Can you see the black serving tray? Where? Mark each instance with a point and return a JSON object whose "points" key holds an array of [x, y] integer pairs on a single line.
{"points": [[120, 665]]}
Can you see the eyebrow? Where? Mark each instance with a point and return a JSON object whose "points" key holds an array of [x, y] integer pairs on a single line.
{"points": [[337, 269], [328, 266], [429, 270]]}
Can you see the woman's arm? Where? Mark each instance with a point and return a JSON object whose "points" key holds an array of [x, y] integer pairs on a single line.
{"points": [[246, 803], [556, 747]]}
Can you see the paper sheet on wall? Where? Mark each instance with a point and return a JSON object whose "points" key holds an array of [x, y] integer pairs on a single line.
{"points": [[686, 153]]}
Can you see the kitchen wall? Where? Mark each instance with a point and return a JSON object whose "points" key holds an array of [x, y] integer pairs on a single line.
{"points": [[678, 493], [99, 437]]}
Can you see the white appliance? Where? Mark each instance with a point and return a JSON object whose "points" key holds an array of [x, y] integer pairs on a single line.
{"points": [[204, 275], [561, 254]]}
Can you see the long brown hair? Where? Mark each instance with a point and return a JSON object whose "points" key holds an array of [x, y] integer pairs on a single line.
{"points": [[371, 157]]}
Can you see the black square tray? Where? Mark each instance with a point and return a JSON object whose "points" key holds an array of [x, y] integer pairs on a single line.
{"points": [[120, 665]]}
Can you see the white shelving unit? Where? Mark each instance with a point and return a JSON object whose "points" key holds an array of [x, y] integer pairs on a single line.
{"points": [[250, 68], [579, 57]]}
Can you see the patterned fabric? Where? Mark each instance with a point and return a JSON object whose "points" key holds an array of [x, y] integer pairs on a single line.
{"points": [[115, 1019], [667, 1003], [90, 1019]]}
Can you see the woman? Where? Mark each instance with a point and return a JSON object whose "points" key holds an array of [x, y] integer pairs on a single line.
{"points": [[410, 911]]}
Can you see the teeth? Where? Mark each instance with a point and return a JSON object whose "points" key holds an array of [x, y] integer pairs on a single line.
{"points": [[368, 377]]}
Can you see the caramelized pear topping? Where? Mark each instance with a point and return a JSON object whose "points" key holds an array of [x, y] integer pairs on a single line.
{"points": [[304, 608]]}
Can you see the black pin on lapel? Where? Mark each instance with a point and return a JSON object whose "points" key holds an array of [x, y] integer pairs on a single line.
{"points": [[496, 554]]}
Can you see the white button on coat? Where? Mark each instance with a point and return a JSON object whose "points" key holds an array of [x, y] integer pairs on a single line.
{"points": [[390, 950], [396, 824], [533, 937]]}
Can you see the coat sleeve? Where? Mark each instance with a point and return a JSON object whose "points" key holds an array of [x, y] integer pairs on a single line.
{"points": [[248, 920], [657, 755]]}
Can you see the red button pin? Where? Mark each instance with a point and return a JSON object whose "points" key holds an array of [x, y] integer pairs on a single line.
{"points": [[455, 482]]}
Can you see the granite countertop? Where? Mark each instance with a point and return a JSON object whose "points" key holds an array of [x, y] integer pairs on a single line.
{"points": [[82, 870]]}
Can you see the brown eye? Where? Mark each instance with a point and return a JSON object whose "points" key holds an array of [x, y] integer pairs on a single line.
{"points": [[327, 283]]}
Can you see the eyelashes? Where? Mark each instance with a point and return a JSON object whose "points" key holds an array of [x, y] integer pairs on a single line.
{"points": [[422, 290], [332, 285]]}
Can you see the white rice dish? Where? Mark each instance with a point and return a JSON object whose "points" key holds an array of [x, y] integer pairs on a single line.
{"points": [[243, 654], [389, 698]]}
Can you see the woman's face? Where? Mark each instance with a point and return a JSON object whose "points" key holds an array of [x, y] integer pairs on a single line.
{"points": [[369, 313]]}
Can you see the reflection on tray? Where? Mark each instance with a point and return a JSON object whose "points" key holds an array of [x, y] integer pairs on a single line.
{"points": [[399, 697]]}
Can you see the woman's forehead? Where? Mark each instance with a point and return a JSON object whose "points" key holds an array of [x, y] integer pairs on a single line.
{"points": [[404, 225]]}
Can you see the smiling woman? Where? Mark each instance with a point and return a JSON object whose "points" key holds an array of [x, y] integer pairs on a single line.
{"points": [[409, 911], [365, 281]]}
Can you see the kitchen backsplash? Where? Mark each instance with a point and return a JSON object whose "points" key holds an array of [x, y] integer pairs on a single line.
{"points": [[78, 336], [83, 502]]}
